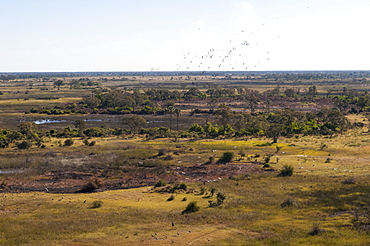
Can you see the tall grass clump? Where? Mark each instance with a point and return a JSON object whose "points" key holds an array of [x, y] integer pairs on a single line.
{"points": [[287, 170], [96, 204]]}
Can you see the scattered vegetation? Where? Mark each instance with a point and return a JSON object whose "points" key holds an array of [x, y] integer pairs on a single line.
{"points": [[151, 129]]}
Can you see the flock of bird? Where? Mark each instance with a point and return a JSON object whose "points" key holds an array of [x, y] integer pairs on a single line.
{"points": [[237, 53], [244, 50]]}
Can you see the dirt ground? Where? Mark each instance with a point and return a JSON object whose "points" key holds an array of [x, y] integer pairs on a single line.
{"points": [[72, 181]]}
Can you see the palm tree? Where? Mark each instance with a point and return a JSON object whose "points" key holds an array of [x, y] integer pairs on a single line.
{"points": [[177, 111], [170, 110]]}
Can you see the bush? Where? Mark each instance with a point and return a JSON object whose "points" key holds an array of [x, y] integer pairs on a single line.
{"points": [[191, 208], [3, 184], [286, 171], [220, 199], [226, 157], [24, 145], [316, 230], [168, 158], [69, 142], [160, 183], [289, 202], [181, 186], [161, 152], [96, 204], [349, 180], [266, 165], [171, 198], [91, 185]]}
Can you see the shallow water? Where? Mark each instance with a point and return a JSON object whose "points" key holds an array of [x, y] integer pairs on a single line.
{"points": [[40, 122], [10, 171]]}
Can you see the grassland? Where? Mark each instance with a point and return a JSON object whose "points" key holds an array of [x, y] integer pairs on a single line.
{"points": [[252, 213], [324, 202]]}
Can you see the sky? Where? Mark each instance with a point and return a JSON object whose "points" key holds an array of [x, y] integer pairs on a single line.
{"points": [[183, 35]]}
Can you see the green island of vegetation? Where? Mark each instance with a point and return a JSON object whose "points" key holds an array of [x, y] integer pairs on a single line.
{"points": [[185, 158]]}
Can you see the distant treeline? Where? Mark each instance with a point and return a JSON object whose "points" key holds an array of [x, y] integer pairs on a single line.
{"points": [[297, 75]]}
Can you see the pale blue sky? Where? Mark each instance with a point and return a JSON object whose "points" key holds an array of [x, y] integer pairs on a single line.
{"points": [[170, 35]]}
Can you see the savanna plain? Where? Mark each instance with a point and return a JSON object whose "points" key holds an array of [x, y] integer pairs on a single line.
{"points": [[185, 158]]}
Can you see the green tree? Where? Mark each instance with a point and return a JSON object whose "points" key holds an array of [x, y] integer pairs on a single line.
{"points": [[177, 111], [170, 110], [29, 130], [134, 122], [81, 126], [58, 83]]}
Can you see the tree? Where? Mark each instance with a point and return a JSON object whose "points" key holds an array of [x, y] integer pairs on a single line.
{"points": [[312, 91], [170, 110], [252, 103], [29, 130], [80, 125], [58, 83], [134, 122], [225, 114], [91, 102], [177, 111], [274, 131]]}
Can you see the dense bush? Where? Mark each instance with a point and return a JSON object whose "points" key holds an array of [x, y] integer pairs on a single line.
{"points": [[191, 208], [226, 157], [68, 142], [160, 183], [24, 145], [91, 185]]}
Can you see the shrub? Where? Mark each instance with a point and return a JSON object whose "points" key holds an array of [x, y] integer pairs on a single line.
{"points": [[220, 198], [211, 160], [191, 208], [3, 184], [171, 198], [168, 158], [286, 171], [181, 186], [316, 230], [69, 142], [96, 204], [289, 202], [350, 180], [226, 157], [161, 152], [91, 185], [212, 190], [160, 183], [24, 145]]}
